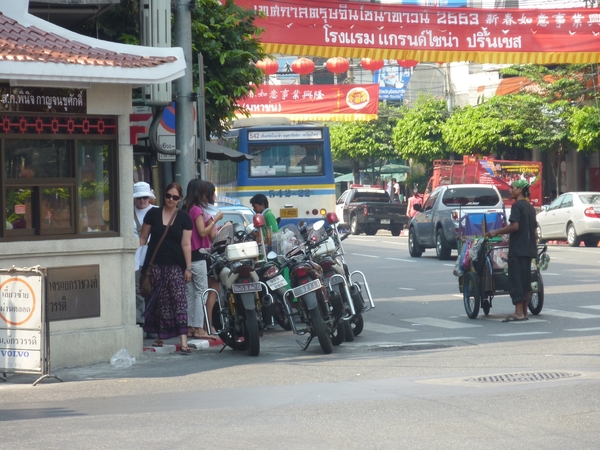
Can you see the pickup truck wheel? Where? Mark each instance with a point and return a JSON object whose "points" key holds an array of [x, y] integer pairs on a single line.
{"points": [[396, 231], [354, 226], [442, 247], [414, 248], [370, 232]]}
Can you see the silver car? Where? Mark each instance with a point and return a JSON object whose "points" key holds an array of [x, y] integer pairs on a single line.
{"points": [[574, 216]]}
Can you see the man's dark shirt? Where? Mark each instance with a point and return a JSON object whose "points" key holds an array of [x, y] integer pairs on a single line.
{"points": [[523, 241]]}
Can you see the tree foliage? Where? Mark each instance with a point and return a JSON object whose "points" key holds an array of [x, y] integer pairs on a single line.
{"points": [[228, 39], [359, 140], [584, 131], [418, 135]]}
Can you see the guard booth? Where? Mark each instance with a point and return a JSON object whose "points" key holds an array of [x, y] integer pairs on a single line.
{"points": [[67, 178]]}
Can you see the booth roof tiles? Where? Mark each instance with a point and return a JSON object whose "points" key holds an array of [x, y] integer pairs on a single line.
{"points": [[30, 44]]}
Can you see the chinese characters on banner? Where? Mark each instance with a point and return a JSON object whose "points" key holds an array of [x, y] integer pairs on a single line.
{"points": [[382, 31], [340, 102]]}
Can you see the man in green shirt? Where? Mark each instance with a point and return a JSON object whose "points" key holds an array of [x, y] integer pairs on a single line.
{"points": [[260, 205]]}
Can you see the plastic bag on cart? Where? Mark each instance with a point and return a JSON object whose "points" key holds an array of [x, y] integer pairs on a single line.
{"points": [[457, 271], [465, 262], [477, 255]]}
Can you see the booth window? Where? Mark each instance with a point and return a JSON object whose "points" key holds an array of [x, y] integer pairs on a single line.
{"points": [[58, 187]]}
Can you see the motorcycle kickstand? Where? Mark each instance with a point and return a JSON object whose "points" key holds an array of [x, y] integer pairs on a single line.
{"points": [[222, 348], [304, 345]]}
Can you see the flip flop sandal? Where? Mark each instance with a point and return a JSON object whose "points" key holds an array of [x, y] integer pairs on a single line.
{"points": [[185, 350], [157, 343]]}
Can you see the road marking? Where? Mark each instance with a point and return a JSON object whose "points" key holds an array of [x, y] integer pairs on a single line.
{"points": [[591, 307], [458, 338], [520, 334], [458, 295], [391, 242], [365, 256], [408, 289], [449, 265], [386, 329], [583, 329], [441, 323], [570, 314], [403, 260], [551, 274], [501, 319]]}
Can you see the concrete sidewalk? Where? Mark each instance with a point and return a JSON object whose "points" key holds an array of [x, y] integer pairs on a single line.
{"points": [[173, 345]]}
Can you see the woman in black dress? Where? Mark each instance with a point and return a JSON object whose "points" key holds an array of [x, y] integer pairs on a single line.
{"points": [[167, 310]]}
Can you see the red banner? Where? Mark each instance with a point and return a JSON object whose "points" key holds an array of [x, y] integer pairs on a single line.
{"points": [[354, 30], [339, 102]]}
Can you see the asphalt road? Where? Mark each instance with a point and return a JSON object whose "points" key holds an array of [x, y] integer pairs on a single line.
{"points": [[421, 376]]}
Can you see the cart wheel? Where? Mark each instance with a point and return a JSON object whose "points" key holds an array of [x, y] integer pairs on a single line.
{"points": [[471, 294], [536, 302], [486, 305]]}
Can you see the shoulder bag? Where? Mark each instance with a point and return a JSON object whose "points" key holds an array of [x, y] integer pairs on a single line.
{"points": [[145, 278]]}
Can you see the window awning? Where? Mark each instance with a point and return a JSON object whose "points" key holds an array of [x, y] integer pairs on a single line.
{"points": [[221, 153]]}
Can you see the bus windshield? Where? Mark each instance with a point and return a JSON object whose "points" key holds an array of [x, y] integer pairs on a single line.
{"points": [[283, 160]]}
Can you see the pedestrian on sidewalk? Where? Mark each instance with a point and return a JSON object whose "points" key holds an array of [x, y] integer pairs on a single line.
{"points": [[204, 226], [166, 313], [416, 199], [522, 248]]}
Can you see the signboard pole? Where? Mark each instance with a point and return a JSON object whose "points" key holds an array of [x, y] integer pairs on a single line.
{"points": [[24, 331]]}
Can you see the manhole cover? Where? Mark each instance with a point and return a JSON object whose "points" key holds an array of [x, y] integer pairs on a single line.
{"points": [[409, 347], [523, 377]]}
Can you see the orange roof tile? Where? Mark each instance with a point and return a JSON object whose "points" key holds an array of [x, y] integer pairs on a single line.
{"points": [[20, 43]]}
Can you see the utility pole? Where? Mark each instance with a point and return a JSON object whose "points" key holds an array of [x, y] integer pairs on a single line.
{"points": [[185, 165]]}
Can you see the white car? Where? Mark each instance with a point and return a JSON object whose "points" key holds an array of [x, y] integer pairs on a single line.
{"points": [[574, 216]]}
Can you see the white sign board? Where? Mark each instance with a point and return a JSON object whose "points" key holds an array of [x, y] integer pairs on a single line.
{"points": [[277, 135], [21, 318]]}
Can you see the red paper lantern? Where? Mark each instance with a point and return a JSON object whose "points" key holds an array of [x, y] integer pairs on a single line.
{"points": [[337, 64], [303, 66], [371, 64], [268, 66], [407, 63]]}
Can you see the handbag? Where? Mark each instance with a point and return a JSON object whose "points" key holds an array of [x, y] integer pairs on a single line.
{"points": [[145, 277]]}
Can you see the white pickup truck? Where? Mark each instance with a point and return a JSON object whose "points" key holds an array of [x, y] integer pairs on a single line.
{"points": [[436, 225]]}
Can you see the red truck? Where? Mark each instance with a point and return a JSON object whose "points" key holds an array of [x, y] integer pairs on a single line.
{"points": [[487, 170]]}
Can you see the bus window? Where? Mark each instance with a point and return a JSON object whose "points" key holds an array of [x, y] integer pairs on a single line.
{"points": [[281, 160]]}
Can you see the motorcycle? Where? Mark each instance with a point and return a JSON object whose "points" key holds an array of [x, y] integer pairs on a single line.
{"points": [[308, 298], [349, 286], [232, 260]]}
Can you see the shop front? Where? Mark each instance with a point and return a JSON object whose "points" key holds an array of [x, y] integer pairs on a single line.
{"points": [[66, 175]]}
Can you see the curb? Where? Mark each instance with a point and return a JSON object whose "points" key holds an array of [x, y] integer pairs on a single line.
{"points": [[194, 344]]}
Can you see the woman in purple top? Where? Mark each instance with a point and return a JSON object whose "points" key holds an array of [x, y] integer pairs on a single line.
{"points": [[204, 228]]}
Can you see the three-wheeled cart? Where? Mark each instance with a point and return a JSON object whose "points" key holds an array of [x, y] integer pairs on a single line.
{"points": [[488, 278]]}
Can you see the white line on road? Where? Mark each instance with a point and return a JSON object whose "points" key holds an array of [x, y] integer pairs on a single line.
{"points": [[583, 329], [386, 329], [591, 307], [569, 314], [403, 260], [521, 334], [551, 274], [365, 256], [441, 323], [458, 295], [449, 265], [408, 289], [392, 242], [457, 338]]}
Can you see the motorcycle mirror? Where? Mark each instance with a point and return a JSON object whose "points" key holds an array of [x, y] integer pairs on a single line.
{"points": [[318, 225], [271, 255], [258, 220], [250, 228], [332, 218]]}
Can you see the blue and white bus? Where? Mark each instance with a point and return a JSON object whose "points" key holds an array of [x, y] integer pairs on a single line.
{"points": [[291, 165]]}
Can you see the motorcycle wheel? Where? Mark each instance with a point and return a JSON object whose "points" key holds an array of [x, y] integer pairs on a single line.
{"points": [[281, 317], [348, 333], [357, 324], [227, 336], [337, 334], [251, 335], [320, 331]]}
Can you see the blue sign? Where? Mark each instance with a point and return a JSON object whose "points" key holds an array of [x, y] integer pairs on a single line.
{"points": [[392, 80]]}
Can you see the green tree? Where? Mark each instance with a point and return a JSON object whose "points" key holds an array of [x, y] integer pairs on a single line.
{"points": [[229, 42], [228, 39], [418, 135], [584, 131], [366, 141]]}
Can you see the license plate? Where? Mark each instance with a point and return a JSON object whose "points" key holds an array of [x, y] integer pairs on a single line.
{"points": [[385, 221], [306, 288], [277, 282], [241, 288], [288, 212]]}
